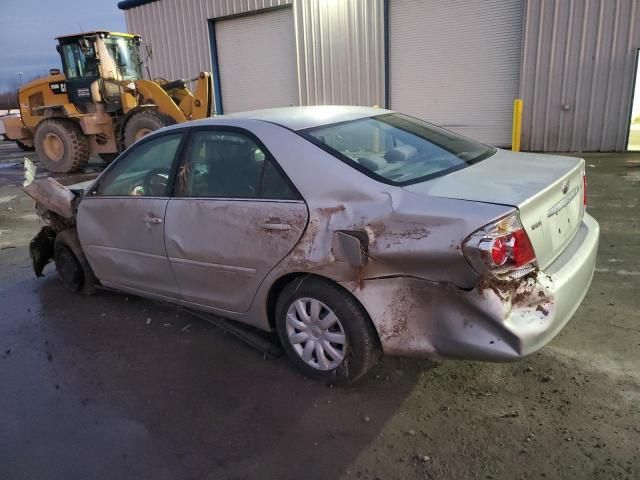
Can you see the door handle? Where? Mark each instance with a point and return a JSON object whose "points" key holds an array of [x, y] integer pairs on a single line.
{"points": [[275, 224], [152, 220]]}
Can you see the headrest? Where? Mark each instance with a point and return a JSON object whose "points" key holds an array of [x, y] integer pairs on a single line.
{"points": [[401, 153], [368, 164]]}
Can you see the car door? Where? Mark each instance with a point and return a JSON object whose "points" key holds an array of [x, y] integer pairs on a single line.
{"points": [[121, 220], [233, 216]]}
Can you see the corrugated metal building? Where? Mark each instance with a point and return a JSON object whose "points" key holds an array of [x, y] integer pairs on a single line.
{"points": [[457, 63]]}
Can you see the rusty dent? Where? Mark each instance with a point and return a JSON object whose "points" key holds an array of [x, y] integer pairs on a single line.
{"points": [[381, 237], [417, 317]]}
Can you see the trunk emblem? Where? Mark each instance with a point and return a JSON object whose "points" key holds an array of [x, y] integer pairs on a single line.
{"points": [[565, 186]]}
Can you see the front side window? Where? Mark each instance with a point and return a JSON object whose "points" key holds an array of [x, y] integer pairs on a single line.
{"points": [[226, 164], [398, 149], [144, 171], [80, 60]]}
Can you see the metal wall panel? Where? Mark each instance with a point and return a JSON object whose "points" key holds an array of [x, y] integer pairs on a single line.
{"points": [[577, 73], [340, 51], [339, 43], [178, 32]]}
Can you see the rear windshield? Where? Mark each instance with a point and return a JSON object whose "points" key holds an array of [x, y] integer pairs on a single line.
{"points": [[398, 149]]}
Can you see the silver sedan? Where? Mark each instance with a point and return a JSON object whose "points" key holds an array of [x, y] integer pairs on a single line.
{"points": [[350, 231]]}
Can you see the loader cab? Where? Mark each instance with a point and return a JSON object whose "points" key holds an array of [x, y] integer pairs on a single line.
{"points": [[98, 65]]}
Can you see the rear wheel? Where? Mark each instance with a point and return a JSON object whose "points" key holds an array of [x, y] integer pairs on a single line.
{"points": [[61, 145], [143, 123], [325, 331]]}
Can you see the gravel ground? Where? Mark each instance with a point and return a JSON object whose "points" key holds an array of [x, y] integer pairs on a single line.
{"points": [[114, 386]]}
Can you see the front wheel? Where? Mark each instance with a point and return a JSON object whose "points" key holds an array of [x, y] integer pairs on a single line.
{"points": [[325, 331], [143, 123], [69, 268], [74, 270]]}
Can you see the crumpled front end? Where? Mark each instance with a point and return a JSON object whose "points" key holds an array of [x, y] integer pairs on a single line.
{"points": [[56, 204], [495, 321]]}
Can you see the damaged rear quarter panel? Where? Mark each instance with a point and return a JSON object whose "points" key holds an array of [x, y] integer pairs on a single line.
{"points": [[490, 322], [404, 236], [408, 234]]}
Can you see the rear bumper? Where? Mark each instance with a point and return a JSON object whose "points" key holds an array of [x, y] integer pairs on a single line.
{"points": [[498, 322]]}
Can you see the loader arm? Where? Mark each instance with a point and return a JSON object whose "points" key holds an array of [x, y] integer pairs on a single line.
{"points": [[202, 97], [179, 102], [197, 104], [152, 93]]}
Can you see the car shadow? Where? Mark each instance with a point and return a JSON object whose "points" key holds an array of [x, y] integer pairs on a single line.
{"points": [[125, 387]]}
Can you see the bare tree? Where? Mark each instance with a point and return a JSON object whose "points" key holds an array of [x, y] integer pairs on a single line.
{"points": [[8, 99]]}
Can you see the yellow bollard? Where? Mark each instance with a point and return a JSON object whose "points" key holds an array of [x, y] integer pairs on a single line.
{"points": [[517, 125]]}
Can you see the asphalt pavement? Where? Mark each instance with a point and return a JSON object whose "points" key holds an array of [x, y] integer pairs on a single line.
{"points": [[118, 387]]}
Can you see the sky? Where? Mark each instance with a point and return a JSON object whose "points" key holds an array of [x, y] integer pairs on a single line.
{"points": [[28, 29]]}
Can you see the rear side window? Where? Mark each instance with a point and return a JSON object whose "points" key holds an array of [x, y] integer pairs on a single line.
{"points": [[274, 184], [229, 164], [398, 149]]}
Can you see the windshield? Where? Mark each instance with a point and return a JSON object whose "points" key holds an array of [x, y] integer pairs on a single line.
{"points": [[398, 149], [125, 54]]}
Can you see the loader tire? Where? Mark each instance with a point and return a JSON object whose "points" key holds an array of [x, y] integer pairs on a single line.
{"points": [[142, 123], [61, 146]]}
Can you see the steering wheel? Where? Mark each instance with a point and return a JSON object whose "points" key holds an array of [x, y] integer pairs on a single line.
{"points": [[155, 182]]}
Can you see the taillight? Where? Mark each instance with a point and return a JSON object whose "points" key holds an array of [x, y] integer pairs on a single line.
{"points": [[501, 248], [522, 250], [499, 251], [584, 190]]}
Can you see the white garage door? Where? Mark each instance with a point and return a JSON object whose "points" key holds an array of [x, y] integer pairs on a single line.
{"points": [[257, 61], [457, 63]]}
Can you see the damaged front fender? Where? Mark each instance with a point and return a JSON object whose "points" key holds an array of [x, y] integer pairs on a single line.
{"points": [[56, 204]]}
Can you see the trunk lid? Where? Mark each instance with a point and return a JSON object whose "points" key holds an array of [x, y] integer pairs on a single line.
{"points": [[547, 190]]}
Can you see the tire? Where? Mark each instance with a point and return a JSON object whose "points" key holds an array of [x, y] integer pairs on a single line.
{"points": [[108, 157], [142, 123], [69, 268], [24, 146], [61, 145], [361, 348], [72, 266]]}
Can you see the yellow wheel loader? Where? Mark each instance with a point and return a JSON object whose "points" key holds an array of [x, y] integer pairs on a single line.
{"points": [[101, 104]]}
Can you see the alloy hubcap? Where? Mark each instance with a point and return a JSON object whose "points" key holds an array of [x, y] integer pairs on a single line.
{"points": [[53, 147], [316, 334]]}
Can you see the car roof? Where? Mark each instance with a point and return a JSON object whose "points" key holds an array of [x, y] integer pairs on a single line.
{"points": [[299, 118]]}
